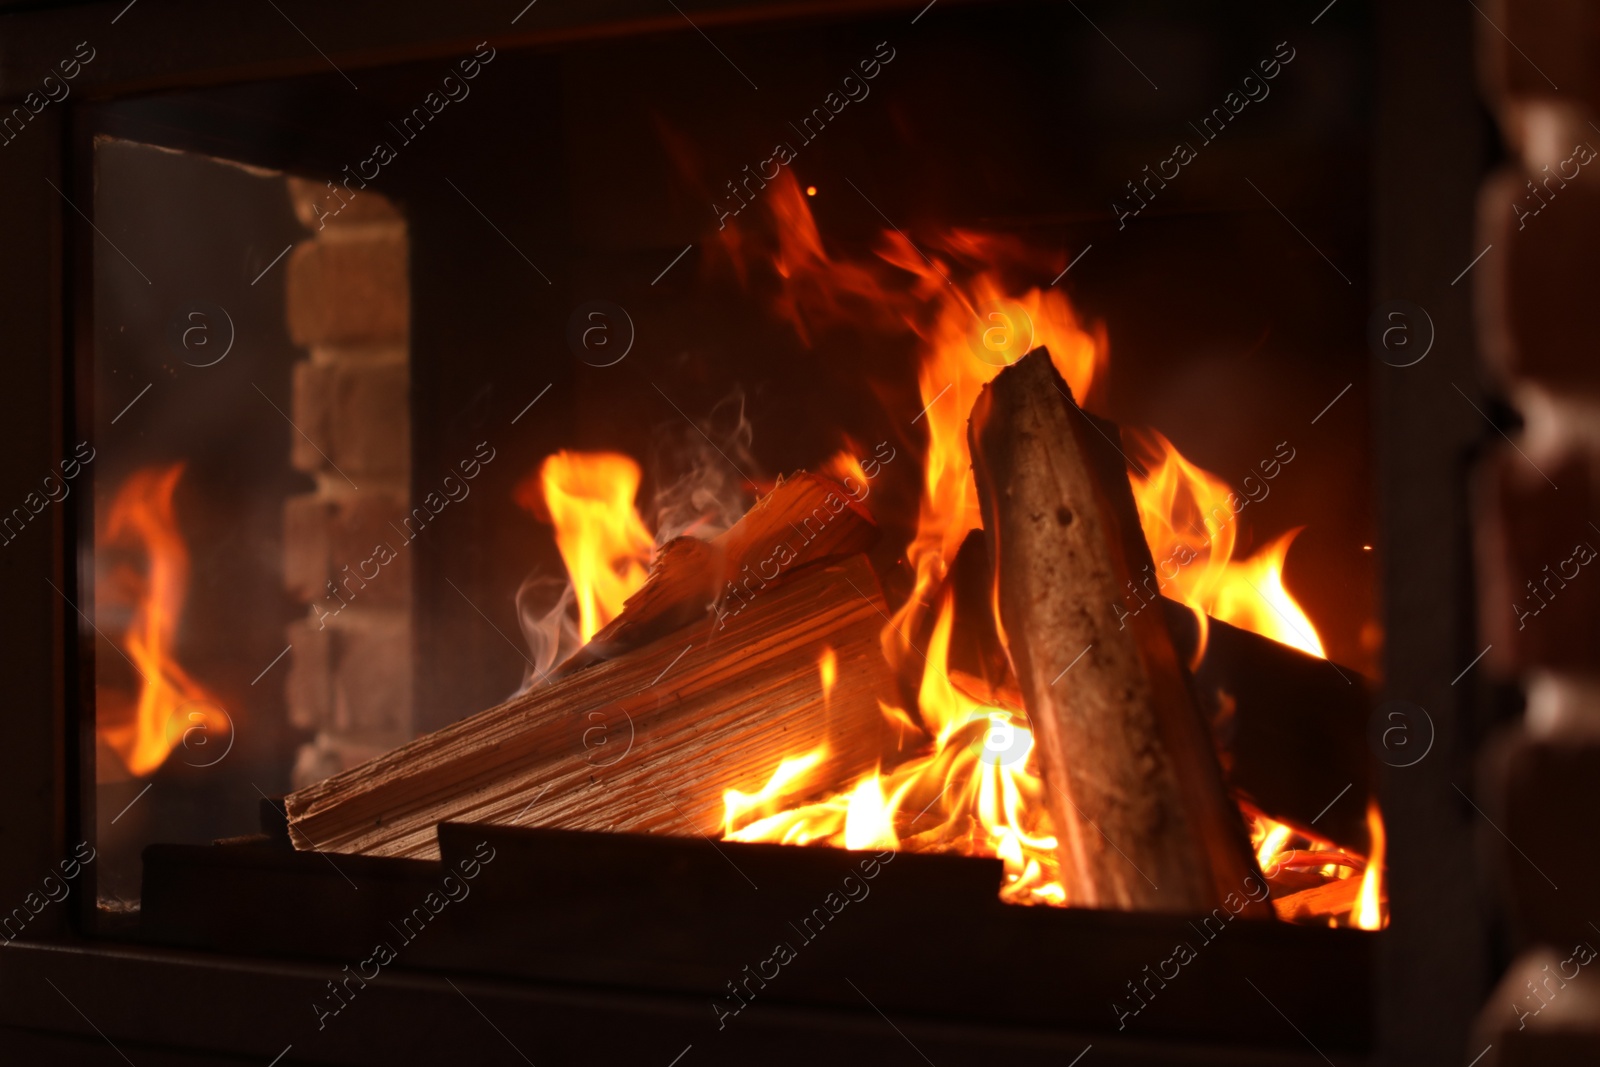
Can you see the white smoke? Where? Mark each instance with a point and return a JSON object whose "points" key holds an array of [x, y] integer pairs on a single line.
{"points": [[699, 471]]}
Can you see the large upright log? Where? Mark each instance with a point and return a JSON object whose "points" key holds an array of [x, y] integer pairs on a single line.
{"points": [[1132, 780]]}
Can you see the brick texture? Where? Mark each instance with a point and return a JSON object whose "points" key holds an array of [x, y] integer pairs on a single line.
{"points": [[1536, 1017], [350, 678], [372, 678], [350, 287], [1535, 287], [348, 300], [356, 417], [309, 686], [1556, 49], [1530, 531], [1544, 793], [335, 538]]}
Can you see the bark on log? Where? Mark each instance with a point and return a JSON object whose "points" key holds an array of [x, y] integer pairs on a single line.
{"points": [[1133, 784], [644, 743], [806, 519]]}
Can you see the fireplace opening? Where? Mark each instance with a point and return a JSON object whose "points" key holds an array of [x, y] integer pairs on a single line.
{"points": [[941, 451]]}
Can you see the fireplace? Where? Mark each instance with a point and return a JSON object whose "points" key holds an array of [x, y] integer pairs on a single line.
{"points": [[431, 404]]}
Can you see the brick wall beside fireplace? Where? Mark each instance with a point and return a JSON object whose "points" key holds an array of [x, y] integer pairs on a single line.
{"points": [[348, 303], [1539, 522]]}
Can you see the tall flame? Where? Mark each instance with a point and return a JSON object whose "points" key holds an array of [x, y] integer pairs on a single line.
{"points": [[975, 785], [968, 330], [171, 703], [588, 497]]}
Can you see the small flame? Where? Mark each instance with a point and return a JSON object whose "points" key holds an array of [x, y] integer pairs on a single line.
{"points": [[1254, 598], [171, 703], [588, 497], [846, 468], [828, 668], [1269, 845], [1370, 912], [1192, 530]]}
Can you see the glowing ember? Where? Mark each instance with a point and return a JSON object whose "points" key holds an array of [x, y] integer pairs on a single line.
{"points": [[588, 497], [977, 791], [141, 520]]}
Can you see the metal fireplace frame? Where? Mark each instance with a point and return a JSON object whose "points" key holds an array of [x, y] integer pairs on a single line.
{"points": [[1434, 964]]}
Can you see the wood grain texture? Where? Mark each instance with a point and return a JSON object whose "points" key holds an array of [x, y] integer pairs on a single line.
{"points": [[806, 519], [644, 743], [1133, 782]]}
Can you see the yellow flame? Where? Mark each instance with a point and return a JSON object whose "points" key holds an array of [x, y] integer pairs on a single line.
{"points": [[976, 789], [978, 330], [170, 702], [1370, 912], [973, 784], [1254, 598], [1192, 529], [588, 497], [1269, 837]]}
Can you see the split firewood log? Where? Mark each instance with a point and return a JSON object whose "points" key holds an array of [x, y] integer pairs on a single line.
{"points": [[1143, 819]]}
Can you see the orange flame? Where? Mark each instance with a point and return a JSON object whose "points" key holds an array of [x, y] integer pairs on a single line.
{"points": [[1190, 526], [968, 331], [170, 702], [603, 542], [1371, 912], [976, 790], [975, 785]]}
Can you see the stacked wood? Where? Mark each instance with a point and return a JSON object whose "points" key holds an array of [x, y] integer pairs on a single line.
{"points": [[1133, 784], [644, 743]]}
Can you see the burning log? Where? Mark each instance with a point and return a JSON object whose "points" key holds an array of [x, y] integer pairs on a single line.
{"points": [[1291, 728], [1136, 795], [804, 520], [1334, 898], [643, 743], [1295, 736]]}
